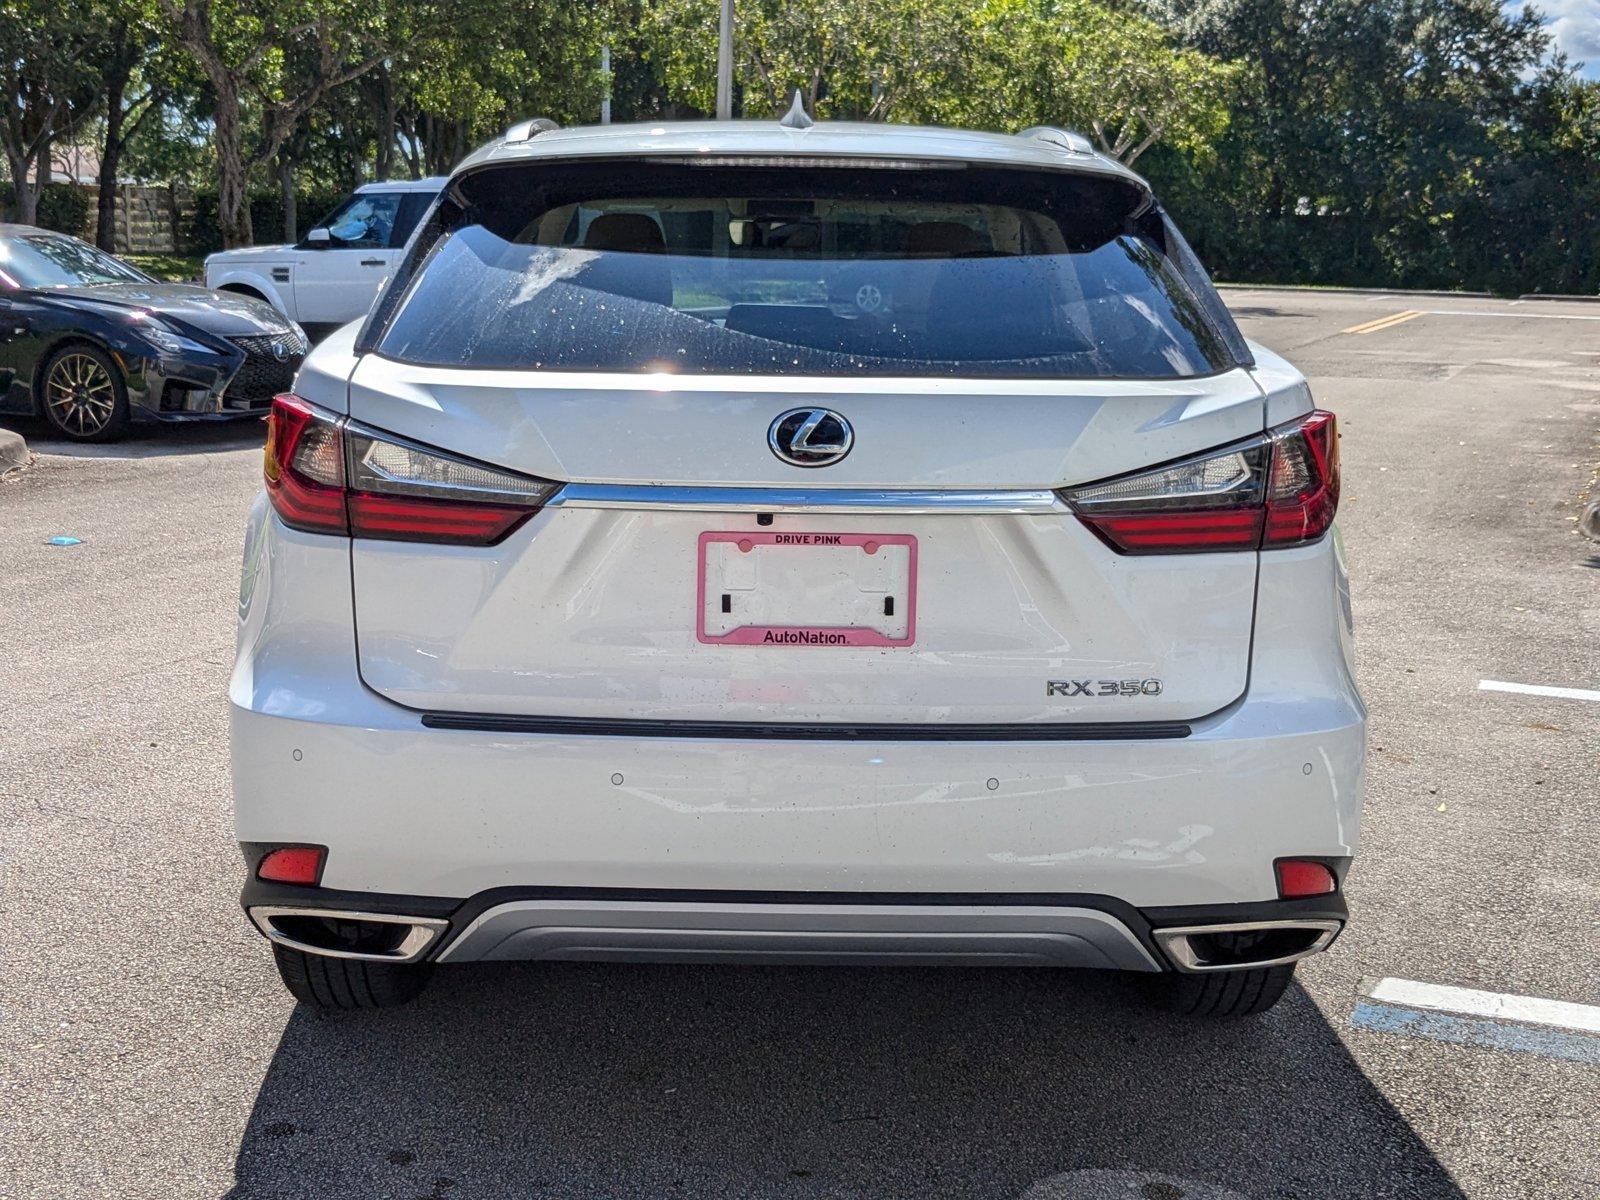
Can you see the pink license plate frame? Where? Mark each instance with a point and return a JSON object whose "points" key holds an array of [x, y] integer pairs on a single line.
{"points": [[827, 636]]}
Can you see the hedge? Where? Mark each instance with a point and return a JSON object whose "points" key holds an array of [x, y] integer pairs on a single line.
{"points": [[71, 209], [62, 206], [200, 234]]}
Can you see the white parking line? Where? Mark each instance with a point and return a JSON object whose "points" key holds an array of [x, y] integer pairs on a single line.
{"points": [[1487, 1020], [1537, 689], [1584, 1018], [1524, 315]]}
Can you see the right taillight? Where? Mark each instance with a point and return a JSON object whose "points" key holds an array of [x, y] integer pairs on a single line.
{"points": [[329, 475], [1303, 487], [1278, 489]]}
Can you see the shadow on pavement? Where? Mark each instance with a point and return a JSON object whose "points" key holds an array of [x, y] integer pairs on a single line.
{"points": [[145, 441], [1261, 310], [577, 1080]]}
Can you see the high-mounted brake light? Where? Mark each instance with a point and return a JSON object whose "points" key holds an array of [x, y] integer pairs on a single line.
{"points": [[1278, 489], [329, 475]]}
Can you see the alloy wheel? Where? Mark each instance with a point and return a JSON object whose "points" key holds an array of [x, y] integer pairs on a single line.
{"points": [[80, 394]]}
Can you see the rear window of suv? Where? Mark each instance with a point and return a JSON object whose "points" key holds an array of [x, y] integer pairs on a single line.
{"points": [[797, 269]]}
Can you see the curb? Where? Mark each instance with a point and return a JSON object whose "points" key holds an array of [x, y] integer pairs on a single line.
{"points": [[1355, 291], [1558, 296], [13, 451]]}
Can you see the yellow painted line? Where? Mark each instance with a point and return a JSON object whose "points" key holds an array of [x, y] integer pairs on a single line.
{"points": [[1391, 320], [1400, 319]]}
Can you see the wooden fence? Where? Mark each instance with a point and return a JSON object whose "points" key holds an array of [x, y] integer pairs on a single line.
{"points": [[150, 217]]}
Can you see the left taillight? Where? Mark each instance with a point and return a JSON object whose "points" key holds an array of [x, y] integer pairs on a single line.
{"points": [[1276, 490], [329, 475], [304, 467]]}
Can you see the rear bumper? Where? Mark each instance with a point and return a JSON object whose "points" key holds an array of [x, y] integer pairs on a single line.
{"points": [[1190, 822], [405, 809], [593, 924]]}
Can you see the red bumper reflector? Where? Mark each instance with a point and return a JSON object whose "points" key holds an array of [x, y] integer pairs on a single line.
{"points": [[292, 864], [1297, 877]]}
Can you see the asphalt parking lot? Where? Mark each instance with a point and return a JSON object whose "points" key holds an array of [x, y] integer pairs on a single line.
{"points": [[147, 1049]]}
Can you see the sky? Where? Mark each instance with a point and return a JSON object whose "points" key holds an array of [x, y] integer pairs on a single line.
{"points": [[1576, 27]]}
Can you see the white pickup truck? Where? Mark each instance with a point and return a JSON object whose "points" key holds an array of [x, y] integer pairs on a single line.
{"points": [[332, 275]]}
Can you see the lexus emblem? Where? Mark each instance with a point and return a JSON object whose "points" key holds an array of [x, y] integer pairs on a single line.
{"points": [[810, 437], [280, 351]]}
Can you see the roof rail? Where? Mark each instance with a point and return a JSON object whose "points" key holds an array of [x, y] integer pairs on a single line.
{"points": [[1064, 139], [524, 131]]}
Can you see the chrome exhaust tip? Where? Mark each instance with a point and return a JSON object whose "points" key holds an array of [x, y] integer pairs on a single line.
{"points": [[371, 937], [1232, 947]]}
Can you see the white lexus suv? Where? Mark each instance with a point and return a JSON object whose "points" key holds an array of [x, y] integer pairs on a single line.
{"points": [[791, 542]]}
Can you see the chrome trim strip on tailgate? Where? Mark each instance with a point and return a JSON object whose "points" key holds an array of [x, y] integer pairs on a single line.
{"points": [[1053, 731], [863, 500]]}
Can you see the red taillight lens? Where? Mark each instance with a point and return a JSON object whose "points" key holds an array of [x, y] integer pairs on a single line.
{"points": [[1302, 877], [304, 467], [1303, 490], [1279, 489], [333, 476], [409, 519], [1169, 532], [292, 864]]}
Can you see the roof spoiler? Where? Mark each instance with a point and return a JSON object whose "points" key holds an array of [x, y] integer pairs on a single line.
{"points": [[524, 131]]}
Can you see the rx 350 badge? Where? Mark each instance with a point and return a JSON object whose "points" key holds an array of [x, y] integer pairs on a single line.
{"points": [[1102, 687]]}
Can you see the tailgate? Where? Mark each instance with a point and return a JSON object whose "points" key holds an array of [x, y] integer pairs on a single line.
{"points": [[968, 592]]}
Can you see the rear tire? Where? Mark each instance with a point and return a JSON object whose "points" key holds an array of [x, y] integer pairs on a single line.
{"points": [[1222, 994], [348, 984]]}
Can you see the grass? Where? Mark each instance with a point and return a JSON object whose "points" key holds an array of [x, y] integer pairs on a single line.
{"points": [[175, 268]]}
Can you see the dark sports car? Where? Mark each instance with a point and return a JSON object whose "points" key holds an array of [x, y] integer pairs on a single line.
{"points": [[90, 343]]}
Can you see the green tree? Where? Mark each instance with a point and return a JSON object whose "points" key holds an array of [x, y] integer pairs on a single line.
{"points": [[462, 81], [905, 60], [134, 82], [267, 67], [1000, 64], [1528, 223], [1363, 133], [1104, 69], [48, 90]]}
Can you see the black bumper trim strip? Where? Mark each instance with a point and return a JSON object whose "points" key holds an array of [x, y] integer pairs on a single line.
{"points": [[1094, 731]]}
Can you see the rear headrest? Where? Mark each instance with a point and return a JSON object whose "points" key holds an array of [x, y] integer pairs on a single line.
{"points": [[941, 239], [632, 233]]}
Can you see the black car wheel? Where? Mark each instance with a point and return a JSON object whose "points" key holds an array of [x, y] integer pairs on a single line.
{"points": [[1242, 993], [344, 983], [83, 394]]}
